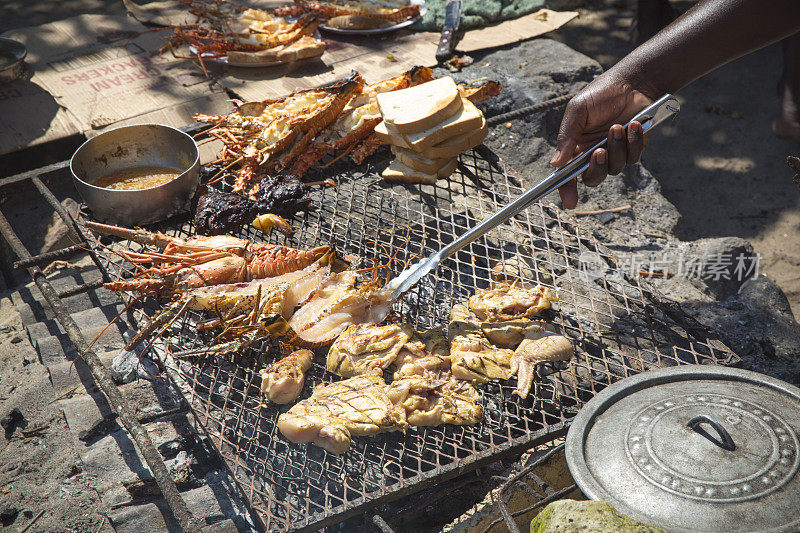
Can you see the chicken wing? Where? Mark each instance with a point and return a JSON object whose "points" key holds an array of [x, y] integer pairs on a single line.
{"points": [[474, 358], [531, 352], [283, 380]]}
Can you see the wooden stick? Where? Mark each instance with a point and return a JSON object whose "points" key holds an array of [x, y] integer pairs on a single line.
{"points": [[655, 274], [600, 211], [33, 521]]}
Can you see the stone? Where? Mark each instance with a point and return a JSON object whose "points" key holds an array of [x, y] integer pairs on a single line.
{"points": [[171, 448], [8, 515], [13, 420], [758, 325], [127, 365], [570, 516]]}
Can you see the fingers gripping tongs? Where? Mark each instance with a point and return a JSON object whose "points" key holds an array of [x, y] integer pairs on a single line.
{"points": [[658, 112]]}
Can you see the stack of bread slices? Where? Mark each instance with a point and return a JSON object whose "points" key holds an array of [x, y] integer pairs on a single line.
{"points": [[428, 126]]}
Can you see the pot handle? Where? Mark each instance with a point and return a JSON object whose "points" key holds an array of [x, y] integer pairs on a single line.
{"points": [[725, 441]]}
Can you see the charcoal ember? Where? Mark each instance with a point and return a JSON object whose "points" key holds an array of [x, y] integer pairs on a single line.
{"points": [[220, 212]]}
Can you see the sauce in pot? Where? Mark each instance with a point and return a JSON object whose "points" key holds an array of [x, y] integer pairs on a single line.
{"points": [[137, 178]]}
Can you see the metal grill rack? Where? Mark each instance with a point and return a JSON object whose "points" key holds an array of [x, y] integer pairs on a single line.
{"points": [[619, 327]]}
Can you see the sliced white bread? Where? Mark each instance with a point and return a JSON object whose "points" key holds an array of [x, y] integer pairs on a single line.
{"points": [[467, 119], [419, 161], [389, 135], [420, 107], [447, 170], [400, 172], [456, 145]]}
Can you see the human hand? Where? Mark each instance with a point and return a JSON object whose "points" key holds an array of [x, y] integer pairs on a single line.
{"points": [[598, 111]]}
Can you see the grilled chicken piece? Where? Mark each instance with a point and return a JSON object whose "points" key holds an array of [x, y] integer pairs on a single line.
{"points": [[282, 381], [510, 333], [531, 352], [474, 358], [334, 413], [425, 354], [429, 401], [510, 302], [462, 321], [363, 348]]}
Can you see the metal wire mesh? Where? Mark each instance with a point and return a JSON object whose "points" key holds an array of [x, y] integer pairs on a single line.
{"points": [[619, 327]]}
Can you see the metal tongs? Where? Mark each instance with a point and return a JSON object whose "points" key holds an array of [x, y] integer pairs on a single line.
{"points": [[664, 108]]}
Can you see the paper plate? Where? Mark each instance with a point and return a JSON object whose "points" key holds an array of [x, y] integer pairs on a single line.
{"points": [[404, 24]]}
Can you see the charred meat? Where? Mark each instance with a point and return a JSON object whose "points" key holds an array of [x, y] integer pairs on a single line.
{"points": [[220, 212], [282, 381], [334, 413], [364, 348]]}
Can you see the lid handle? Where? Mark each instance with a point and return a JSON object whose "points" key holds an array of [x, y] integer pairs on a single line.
{"points": [[725, 441]]}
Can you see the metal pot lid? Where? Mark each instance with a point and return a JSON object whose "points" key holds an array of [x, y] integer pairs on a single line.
{"points": [[693, 448]]}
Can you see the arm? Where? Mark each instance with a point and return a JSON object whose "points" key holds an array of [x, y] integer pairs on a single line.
{"points": [[710, 34]]}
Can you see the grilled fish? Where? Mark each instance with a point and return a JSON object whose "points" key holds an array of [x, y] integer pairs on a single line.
{"points": [[363, 348], [282, 381], [334, 413]]}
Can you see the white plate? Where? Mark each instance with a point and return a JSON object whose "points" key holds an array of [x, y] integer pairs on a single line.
{"points": [[224, 60], [374, 31]]}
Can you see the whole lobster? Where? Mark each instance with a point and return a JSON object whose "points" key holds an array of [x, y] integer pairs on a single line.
{"points": [[198, 261]]}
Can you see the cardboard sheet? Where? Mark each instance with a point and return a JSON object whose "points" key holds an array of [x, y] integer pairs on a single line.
{"points": [[94, 71], [514, 31]]}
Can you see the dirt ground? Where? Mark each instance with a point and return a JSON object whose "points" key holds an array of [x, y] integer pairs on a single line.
{"points": [[718, 162]]}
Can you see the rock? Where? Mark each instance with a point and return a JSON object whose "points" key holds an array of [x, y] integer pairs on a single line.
{"points": [[762, 292], [171, 448], [127, 365], [570, 516], [727, 263], [605, 218], [13, 420], [8, 515], [758, 325], [16, 339]]}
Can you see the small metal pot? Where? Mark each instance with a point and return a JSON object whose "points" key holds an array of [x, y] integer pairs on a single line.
{"points": [[12, 59], [132, 146]]}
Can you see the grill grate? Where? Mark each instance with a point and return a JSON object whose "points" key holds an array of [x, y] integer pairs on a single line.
{"points": [[619, 327]]}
